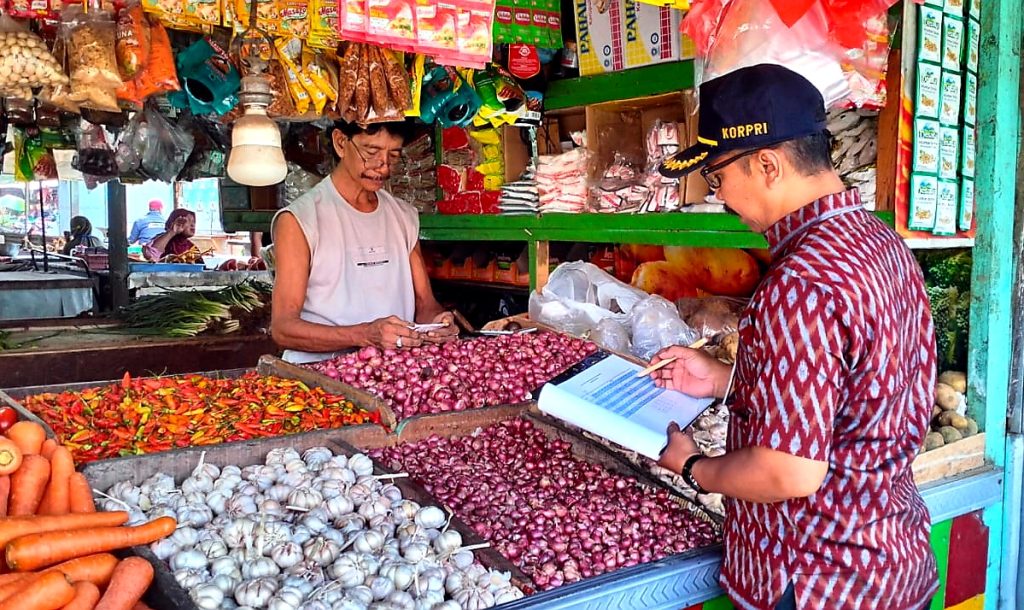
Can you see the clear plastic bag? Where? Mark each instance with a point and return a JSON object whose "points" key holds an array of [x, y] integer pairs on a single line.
{"points": [[578, 296], [92, 59], [94, 157], [656, 325], [711, 316], [25, 62], [840, 46], [611, 335], [165, 147], [129, 147]]}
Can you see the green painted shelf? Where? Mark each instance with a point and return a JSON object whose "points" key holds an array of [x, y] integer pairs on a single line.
{"points": [[721, 230], [638, 82]]}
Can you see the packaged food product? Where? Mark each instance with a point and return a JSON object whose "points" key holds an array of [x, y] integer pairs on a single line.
{"points": [[973, 45], [323, 24], [294, 18], [954, 7], [949, 98], [929, 34], [92, 58], [967, 163], [20, 112], [503, 21], [201, 14], [949, 152], [436, 27], [353, 18], [268, 18], [946, 204], [392, 22], [59, 94], [975, 9], [348, 68], [952, 43], [33, 9], [926, 146], [289, 51], [970, 99], [929, 79], [316, 66], [398, 79], [282, 105], [132, 41], [924, 193], [965, 219], [93, 154], [474, 33], [159, 75], [25, 62]]}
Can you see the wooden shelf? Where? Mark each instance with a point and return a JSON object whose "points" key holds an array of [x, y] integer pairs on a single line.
{"points": [[625, 84]]}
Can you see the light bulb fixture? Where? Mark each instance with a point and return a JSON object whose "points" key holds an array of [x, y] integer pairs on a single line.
{"points": [[256, 158]]}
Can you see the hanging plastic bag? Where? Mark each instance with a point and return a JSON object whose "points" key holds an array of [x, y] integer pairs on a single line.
{"points": [[94, 157], [132, 41], [159, 74], [656, 325], [25, 62], [92, 59], [738, 33], [129, 147], [165, 147]]}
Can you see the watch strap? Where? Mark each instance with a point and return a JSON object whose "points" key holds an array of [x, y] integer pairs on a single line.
{"points": [[687, 473]]}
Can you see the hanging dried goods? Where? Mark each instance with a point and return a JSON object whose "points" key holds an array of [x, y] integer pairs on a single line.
{"points": [[458, 375], [146, 415], [374, 85]]}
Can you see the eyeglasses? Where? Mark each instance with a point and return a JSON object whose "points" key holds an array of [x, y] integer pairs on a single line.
{"points": [[378, 158], [709, 172]]}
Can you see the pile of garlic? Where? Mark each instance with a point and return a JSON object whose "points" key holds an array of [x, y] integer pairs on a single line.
{"points": [[315, 531]]}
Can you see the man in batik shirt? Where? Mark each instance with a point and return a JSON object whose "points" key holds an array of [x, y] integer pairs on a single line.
{"points": [[834, 378]]}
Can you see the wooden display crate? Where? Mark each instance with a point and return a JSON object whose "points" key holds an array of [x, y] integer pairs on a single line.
{"points": [[166, 593], [950, 460], [272, 365]]}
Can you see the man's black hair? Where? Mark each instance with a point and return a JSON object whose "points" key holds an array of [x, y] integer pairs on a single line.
{"points": [[811, 154], [407, 130]]}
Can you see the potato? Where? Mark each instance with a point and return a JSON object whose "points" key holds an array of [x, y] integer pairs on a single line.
{"points": [[970, 428], [936, 411], [933, 440], [950, 434], [955, 379], [946, 397], [952, 418]]}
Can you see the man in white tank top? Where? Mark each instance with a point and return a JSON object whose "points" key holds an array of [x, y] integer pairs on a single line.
{"points": [[349, 268]]}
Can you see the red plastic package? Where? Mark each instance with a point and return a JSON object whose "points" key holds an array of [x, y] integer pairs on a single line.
{"points": [[449, 179], [392, 23], [352, 20]]}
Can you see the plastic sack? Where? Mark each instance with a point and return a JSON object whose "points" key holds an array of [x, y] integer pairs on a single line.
{"points": [[128, 152], [579, 295], [711, 316], [656, 325], [93, 156], [25, 62], [738, 33], [612, 335]]}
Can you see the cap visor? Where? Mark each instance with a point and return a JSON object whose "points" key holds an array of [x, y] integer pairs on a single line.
{"points": [[685, 161]]}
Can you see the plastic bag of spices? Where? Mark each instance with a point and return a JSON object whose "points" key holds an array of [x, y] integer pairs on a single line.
{"points": [[25, 62]]}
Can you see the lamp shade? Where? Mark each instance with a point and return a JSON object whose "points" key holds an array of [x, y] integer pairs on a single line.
{"points": [[256, 157]]}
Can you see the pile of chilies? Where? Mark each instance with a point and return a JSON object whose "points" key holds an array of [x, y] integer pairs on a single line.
{"points": [[147, 415], [558, 518], [459, 375]]}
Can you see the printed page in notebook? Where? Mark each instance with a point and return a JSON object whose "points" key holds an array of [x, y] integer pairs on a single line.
{"points": [[603, 395]]}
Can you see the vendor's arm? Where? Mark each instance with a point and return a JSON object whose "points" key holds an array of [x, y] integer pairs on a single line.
{"points": [[753, 474], [158, 246], [428, 310], [291, 278]]}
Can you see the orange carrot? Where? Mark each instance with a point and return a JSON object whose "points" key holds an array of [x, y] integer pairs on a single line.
{"points": [[6, 579], [11, 586], [28, 485], [86, 596], [5, 494], [56, 498], [96, 569], [50, 591], [141, 606], [28, 436], [49, 445], [13, 527], [35, 551], [132, 578], [10, 456], [80, 494]]}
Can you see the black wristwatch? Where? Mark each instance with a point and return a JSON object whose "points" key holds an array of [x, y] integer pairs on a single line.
{"points": [[688, 473]]}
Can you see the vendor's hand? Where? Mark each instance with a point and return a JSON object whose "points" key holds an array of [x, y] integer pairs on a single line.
{"points": [[693, 372], [392, 332], [679, 449], [442, 335], [180, 226]]}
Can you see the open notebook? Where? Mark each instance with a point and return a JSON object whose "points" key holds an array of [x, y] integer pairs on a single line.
{"points": [[603, 395]]}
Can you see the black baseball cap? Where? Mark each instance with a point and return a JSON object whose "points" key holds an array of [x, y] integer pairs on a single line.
{"points": [[754, 107]]}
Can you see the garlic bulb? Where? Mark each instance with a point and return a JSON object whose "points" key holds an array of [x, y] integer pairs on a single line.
{"points": [[260, 567], [305, 498], [369, 541], [226, 582], [448, 542], [338, 505], [281, 456], [207, 597], [190, 578], [381, 587], [213, 548], [200, 483], [399, 572], [237, 532], [316, 457], [360, 464], [474, 598], [255, 593], [431, 517], [184, 537], [415, 552], [217, 501], [401, 600], [240, 505], [361, 593], [163, 549], [188, 560], [225, 565], [279, 493], [321, 550], [347, 572], [286, 554], [286, 598]]}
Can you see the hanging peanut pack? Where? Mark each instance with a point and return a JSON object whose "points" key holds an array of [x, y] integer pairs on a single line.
{"points": [[25, 62]]}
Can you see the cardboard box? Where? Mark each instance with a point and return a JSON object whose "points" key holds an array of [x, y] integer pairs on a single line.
{"points": [[627, 34]]}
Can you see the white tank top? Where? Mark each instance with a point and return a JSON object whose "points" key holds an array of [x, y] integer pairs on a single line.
{"points": [[359, 261]]}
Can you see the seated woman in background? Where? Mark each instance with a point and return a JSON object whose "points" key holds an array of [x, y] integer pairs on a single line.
{"points": [[81, 235], [180, 225]]}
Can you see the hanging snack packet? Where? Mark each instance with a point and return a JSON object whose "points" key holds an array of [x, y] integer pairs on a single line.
{"points": [[435, 27], [474, 34], [201, 14], [94, 155], [294, 18], [92, 58], [353, 19], [317, 69], [25, 62], [392, 23], [132, 41], [282, 105], [323, 24], [300, 94], [159, 76], [267, 17]]}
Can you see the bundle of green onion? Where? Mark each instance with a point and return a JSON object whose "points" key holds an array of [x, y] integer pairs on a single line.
{"points": [[187, 313]]}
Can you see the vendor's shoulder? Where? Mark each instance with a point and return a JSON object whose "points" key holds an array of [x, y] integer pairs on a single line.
{"points": [[321, 194], [402, 205]]}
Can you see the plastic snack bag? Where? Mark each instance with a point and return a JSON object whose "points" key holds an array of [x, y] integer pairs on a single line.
{"points": [[93, 156], [92, 58], [132, 41], [25, 62]]}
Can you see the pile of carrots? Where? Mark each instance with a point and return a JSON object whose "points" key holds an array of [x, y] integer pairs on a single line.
{"points": [[56, 547]]}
